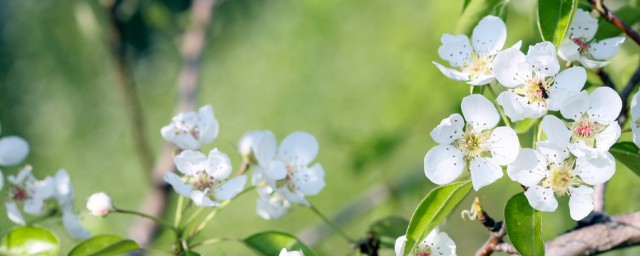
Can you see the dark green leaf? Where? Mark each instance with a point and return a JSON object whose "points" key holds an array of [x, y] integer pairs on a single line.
{"points": [[524, 226], [189, 253], [271, 242], [626, 13], [554, 18], [433, 209], [627, 153], [104, 245], [29, 241], [389, 229], [475, 10]]}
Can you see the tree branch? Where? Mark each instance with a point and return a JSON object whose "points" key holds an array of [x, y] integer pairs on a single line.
{"points": [[626, 92], [144, 231], [613, 19]]}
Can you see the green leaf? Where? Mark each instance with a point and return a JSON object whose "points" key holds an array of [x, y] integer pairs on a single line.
{"points": [[524, 226], [104, 245], [271, 242], [389, 229], [626, 13], [627, 153], [525, 125], [473, 12], [189, 253], [433, 209], [29, 241], [554, 18]]}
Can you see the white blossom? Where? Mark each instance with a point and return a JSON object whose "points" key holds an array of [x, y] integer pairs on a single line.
{"points": [[99, 204], [436, 243], [204, 179], [23, 189], [247, 145], [475, 146], [471, 61], [72, 224], [191, 130], [272, 205], [580, 46], [592, 128], [550, 169], [13, 150], [635, 118], [533, 82]]}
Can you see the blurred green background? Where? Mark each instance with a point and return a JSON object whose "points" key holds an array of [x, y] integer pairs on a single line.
{"points": [[357, 74]]}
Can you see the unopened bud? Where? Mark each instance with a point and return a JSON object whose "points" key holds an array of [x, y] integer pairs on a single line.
{"points": [[99, 204]]}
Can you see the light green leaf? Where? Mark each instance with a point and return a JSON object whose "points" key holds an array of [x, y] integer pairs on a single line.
{"points": [[389, 229], [271, 242], [627, 153], [433, 209], [29, 241], [554, 18], [525, 125], [474, 11], [104, 245], [524, 226]]}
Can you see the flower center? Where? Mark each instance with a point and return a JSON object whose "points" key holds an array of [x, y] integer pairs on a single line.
{"points": [[586, 131], [202, 180], [188, 127], [535, 90], [561, 178], [479, 66], [472, 143], [19, 194], [584, 128], [582, 45]]}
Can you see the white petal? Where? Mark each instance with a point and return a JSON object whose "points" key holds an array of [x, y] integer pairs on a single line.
{"points": [[605, 105], [504, 145], [218, 164], [596, 170], [22, 176], [580, 202], [277, 170], [556, 131], [455, 49], [63, 188], [542, 57], [272, 206], [294, 197], [541, 198], [449, 129], [201, 199], [484, 171], [265, 149], [635, 107], [529, 168], [575, 105], [592, 64], [605, 49], [1, 180], [583, 25], [13, 150], [208, 125], [517, 45], [569, 50], [73, 226], [230, 188], [299, 147], [443, 245], [248, 141], [14, 213], [581, 149], [518, 108], [568, 82], [189, 162], [309, 181], [186, 141], [178, 184], [510, 69], [489, 35], [399, 246], [607, 137], [479, 112], [452, 73], [443, 164], [636, 133], [552, 152], [33, 205], [482, 80]]}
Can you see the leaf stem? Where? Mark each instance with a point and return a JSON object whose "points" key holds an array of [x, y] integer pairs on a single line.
{"points": [[147, 216], [179, 211], [330, 223]]}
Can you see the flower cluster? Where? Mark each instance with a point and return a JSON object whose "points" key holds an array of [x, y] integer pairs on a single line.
{"points": [[580, 126], [436, 243]]}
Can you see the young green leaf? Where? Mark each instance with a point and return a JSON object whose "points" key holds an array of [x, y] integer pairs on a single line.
{"points": [[271, 242], [525, 125], [433, 209], [554, 18], [524, 226], [474, 11], [627, 153], [104, 245], [29, 241]]}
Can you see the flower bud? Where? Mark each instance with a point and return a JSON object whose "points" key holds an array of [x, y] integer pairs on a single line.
{"points": [[247, 143], [99, 204]]}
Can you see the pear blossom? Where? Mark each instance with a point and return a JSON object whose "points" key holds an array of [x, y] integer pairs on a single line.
{"points": [[635, 118], [475, 146], [471, 61], [72, 224], [592, 128], [63, 194], [436, 243], [204, 178], [285, 169], [190, 130], [247, 144], [580, 46], [534, 83], [13, 150], [550, 169], [25, 190], [99, 204], [272, 205], [284, 252]]}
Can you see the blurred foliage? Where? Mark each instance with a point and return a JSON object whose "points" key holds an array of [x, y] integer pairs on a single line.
{"points": [[357, 74]]}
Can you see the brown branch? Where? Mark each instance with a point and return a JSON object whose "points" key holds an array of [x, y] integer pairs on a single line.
{"points": [[598, 197], [497, 230], [193, 42], [626, 92], [613, 19]]}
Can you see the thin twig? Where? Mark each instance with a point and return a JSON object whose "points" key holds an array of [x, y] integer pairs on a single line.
{"points": [[613, 19], [497, 230], [604, 77], [626, 92]]}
